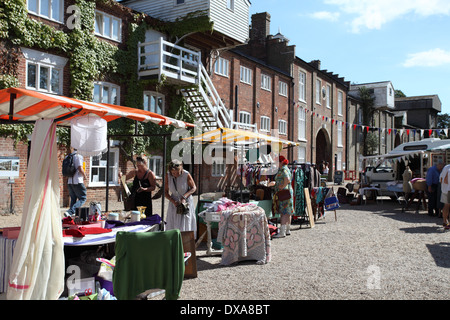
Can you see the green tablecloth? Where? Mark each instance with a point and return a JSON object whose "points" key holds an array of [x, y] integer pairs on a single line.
{"points": [[148, 260], [267, 206]]}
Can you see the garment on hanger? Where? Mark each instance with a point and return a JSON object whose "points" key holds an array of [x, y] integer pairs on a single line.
{"points": [[300, 204]]}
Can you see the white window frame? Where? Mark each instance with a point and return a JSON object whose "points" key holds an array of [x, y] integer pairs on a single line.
{"points": [[301, 154], [230, 5], [302, 86], [218, 169], [175, 2], [339, 135], [114, 166], [340, 102], [102, 27], [44, 60], [282, 88], [155, 95], [282, 127], [110, 86], [246, 75], [244, 117], [318, 91], [265, 124], [301, 124], [266, 82], [339, 160], [221, 67], [38, 12], [152, 165], [328, 97]]}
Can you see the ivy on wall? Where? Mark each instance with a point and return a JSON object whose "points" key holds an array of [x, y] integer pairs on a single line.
{"points": [[91, 59]]}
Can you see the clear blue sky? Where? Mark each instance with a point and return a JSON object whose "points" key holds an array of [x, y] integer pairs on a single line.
{"points": [[403, 41]]}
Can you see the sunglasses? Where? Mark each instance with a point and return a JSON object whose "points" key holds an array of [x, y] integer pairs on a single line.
{"points": [[174, 166]]}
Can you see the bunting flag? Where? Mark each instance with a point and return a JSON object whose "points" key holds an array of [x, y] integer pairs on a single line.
{"points": [[389, 131]]}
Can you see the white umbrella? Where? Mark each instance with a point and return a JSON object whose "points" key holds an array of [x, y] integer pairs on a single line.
{"points": [[37, 271]]}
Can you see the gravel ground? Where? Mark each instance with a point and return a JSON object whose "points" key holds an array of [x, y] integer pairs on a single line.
{"points": [[370, 252]]}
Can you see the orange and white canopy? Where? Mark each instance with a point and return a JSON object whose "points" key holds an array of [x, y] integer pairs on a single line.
{"points": [[22, 106]]}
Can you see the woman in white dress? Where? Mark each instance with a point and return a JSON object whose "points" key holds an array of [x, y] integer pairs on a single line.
{"points": [[179, 189]]}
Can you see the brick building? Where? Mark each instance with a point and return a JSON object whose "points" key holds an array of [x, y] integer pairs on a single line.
{"points": [[50, 69], [317, 99], [105, 55]]}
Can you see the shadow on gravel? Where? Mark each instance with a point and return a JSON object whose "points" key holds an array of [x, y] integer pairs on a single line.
{"points": [[440, 253]]}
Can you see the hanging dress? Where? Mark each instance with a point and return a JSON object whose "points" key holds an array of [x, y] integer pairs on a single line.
{"points": [[300, 204]]}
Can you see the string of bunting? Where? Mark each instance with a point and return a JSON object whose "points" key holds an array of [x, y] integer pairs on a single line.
{"points": [[348, 125]]}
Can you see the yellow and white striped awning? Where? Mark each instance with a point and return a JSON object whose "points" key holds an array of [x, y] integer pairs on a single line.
{"points": [[230, 136]]}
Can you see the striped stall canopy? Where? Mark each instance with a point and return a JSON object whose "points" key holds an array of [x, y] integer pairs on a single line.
{"points": [[19, 105], [229, 136]]}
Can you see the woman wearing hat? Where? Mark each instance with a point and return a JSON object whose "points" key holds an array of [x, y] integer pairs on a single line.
{"points": [[283, 204], [179, 188]]}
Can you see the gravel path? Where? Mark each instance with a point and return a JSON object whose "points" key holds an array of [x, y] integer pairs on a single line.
{"points": [[370, 252]]}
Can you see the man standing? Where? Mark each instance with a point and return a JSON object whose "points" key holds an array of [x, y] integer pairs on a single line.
{"points": [[432, 187], [445, 192], [77, 189]]}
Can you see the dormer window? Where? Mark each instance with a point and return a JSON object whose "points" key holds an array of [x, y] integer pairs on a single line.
{"points": [[108, 26]]}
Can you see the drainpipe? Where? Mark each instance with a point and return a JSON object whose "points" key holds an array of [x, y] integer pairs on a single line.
{"points": [[236, 102]]}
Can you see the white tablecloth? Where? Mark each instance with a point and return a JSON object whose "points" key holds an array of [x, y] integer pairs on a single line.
{"points": [[104, 238]]}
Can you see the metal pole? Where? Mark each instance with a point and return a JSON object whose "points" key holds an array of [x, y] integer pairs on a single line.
{"points": [[107, 177], [163, 183]]}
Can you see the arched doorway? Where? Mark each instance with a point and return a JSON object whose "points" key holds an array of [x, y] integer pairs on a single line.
{"points": [[323, 148]]}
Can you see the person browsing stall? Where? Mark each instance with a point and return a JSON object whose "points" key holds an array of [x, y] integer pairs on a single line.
{"points": [[75, 184], [179, 188], [432, 180], [445, 195], [144, 182], [284, 207]]}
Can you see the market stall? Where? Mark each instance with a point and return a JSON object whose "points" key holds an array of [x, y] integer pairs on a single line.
{"points": [[252, 165], [243, 231], [37, 270]]}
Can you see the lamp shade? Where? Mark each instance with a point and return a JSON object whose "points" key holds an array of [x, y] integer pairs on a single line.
{"points": [[89, 135]]}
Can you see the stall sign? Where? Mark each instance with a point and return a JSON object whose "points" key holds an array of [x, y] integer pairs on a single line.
{"points": [[9, 167]]}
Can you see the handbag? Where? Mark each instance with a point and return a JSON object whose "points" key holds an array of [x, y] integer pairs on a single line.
{"points": [[130, 203], [283, 195], [331, 203], [182, 208]]}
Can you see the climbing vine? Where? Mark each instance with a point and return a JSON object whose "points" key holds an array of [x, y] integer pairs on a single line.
{"points": [[91, 59]]}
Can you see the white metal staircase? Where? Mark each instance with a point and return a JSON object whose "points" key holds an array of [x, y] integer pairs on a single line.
{"points": [[206, 103], [184, 65]]}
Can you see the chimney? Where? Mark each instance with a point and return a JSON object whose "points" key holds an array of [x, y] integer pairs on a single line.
{"points": [[315, 64], [260, 27]]}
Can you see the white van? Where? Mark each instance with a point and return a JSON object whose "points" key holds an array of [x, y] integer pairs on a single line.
{"points": [[420, 155]]}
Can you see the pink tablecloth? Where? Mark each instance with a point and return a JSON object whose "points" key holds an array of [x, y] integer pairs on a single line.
{"points": [[244, 234]]}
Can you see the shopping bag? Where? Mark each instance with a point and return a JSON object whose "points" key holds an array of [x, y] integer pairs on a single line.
{"points": [[331, 203]]}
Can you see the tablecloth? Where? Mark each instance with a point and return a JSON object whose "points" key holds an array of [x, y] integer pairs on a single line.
{"points": [[244, 234], [6, 256]]}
